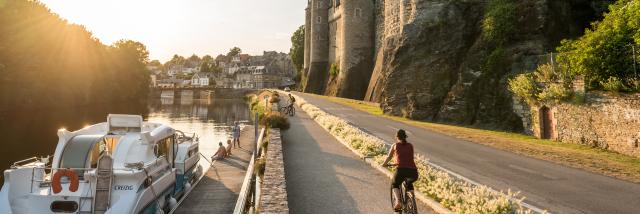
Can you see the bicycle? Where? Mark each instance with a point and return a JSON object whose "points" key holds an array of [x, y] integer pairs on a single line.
{"points": [[408, 199], [288, 110]]}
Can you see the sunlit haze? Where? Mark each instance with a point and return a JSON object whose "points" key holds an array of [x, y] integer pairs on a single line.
{"points": [[186, 27]]}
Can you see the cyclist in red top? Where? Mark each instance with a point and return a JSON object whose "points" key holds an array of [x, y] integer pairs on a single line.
{"points": [[406, 167]]}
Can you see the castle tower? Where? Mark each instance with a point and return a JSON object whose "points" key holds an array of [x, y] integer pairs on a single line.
{"points": [[319, 51], [307, 39], [356, 57]]}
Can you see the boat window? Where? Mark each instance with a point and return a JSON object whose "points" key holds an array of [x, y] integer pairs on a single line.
{"points": [[165, 148], [64, 207], [78, 152]]}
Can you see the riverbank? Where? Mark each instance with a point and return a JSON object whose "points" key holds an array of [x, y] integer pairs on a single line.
{"points": [[577, 156]]}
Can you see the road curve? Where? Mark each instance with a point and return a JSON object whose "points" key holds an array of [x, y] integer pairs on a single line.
{"points": [[554, 187]]}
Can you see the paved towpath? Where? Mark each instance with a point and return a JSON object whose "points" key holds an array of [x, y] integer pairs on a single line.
{"points": [[323, 176], [554, 187], [218, 190]]}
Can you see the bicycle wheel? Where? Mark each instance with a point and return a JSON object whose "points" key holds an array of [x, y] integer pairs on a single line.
{"points": [[409, 201], [292, 112]]}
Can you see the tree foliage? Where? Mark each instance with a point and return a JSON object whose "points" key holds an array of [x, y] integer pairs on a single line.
{"points": [[234, 52], [605, 50], [297, 48], [46, 61], [542, 86]]}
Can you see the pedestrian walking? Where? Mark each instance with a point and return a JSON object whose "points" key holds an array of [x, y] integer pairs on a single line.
{"points": [[236, 134]]}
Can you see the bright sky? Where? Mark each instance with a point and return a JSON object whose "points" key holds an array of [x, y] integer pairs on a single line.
{"points": [[186, 27]]}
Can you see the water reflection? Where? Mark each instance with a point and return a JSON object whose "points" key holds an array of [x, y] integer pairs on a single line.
{"points": [[30, 133]]}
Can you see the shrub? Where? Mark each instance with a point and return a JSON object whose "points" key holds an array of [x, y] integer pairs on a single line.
{"points": [[274, 99], [499, 21], [554, 92], [524, 86], [259, 167], [334, 70], [275, 120], [604, 50], [613, 84]]}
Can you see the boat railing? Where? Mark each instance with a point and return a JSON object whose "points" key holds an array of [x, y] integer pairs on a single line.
{"points": [[25, 162]]}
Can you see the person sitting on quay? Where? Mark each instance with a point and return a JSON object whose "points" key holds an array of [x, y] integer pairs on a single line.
{"points": [[229, 147], [221, 153]]}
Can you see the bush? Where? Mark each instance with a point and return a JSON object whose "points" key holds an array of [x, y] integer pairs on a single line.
{"points": [[499, 21], [554, 92], [274, 99], [275, 120], [259, 167], [604, 50], [613, 84], [334, 70]]}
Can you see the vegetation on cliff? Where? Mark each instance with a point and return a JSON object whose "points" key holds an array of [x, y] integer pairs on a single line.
{"points": [[46, 61], [604, 55]]}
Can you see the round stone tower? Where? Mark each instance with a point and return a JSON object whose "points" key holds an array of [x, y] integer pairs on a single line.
{"points": [[318, 65], [356, 59], [307, 39]]}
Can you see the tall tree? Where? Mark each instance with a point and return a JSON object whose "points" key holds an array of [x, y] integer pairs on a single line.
{"points": [[234, 52], [297, 48], [207, 58]]}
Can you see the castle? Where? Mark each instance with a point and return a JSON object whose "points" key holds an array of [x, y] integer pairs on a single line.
{"points": [[339, 36]]}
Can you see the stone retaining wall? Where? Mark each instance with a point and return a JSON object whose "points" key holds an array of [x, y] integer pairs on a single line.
{"points": [[274, 186], [605, 121]]}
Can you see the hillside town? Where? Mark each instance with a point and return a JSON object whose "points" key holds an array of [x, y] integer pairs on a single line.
{"points": [[231, 71]]}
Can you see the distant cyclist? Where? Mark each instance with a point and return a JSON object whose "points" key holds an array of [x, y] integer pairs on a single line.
{"points": [[292, 101], [406, 167]]}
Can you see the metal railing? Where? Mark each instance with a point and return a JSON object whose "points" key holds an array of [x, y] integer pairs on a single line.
{"points": [[245, 191]]}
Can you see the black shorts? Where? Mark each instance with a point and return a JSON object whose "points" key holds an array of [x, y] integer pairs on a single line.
{"points": [[403, 174]]}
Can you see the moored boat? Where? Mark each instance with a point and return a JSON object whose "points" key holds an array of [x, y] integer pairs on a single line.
{"points": [[124, 165]]}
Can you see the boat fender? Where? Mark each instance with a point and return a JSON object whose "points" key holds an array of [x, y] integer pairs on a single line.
{"points": [[173, 203], [187, 186], [73, 179]]}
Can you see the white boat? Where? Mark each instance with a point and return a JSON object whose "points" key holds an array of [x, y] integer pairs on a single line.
{"points": [[124, 165]]}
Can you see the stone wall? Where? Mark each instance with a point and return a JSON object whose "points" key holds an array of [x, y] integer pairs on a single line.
{"points": [[274, 186], [604, 121]]}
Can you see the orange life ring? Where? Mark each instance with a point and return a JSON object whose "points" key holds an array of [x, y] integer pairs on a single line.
{"points": [[73, 178]]}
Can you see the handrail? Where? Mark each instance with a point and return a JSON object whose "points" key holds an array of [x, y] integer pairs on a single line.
{"points": [[246, 184]]}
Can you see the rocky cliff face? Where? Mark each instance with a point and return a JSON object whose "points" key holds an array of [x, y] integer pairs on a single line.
{"points": [[433, 61]]}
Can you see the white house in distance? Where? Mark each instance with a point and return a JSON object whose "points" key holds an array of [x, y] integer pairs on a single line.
{"points": [[202, 79]]}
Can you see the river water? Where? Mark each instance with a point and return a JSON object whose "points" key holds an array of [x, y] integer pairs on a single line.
{"points": [[28, 133]]}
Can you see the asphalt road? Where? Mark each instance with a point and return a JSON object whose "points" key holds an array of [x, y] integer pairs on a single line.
{"points": [[323, 176], [547, 185]]}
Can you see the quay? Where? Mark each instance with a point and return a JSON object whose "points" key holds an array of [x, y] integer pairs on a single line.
{"points": [[219, 188]]}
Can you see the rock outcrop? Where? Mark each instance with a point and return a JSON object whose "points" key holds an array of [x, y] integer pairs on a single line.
{"points": [[432, 60]]}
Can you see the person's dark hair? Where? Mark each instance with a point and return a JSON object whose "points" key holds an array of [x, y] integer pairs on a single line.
{"points": [[402, 135]]}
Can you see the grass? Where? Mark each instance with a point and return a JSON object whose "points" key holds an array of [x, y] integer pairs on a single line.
{"points": [[596, 160]]}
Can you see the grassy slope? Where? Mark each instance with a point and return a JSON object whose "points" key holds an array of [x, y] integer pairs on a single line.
{"points": [[578, 156]]}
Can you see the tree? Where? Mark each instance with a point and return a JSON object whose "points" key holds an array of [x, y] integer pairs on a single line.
{"points": [[194, 58], [605, 51], [205, 67], [176, 60], [207, 58], [136, 49], [297, 48], [234, 52]]}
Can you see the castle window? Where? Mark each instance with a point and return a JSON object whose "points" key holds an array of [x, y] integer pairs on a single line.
{"points": [[358, 12], [318, 4], [318, 19], [337, 3]]}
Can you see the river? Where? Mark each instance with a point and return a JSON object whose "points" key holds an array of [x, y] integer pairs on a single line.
{"points": [[28, 133]]}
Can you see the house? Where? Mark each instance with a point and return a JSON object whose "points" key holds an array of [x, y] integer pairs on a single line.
{"points": [[203, 79], [170, 83], [244, 79]]}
